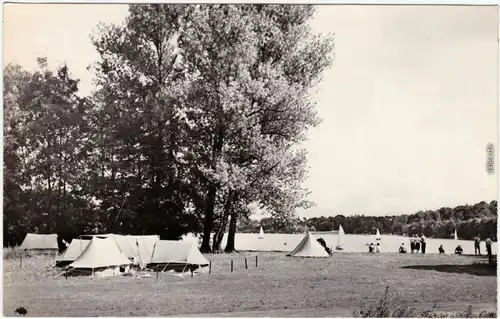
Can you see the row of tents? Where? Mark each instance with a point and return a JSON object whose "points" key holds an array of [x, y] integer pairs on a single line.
{"points": [[111, 254]]}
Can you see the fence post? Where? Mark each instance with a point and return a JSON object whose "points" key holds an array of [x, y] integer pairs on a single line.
{"points": [[256, 261], [156, 271], [231, 265], [210, 267], [246, 265]]}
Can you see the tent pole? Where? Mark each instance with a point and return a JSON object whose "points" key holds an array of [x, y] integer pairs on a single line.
{"points": [[165, 266]]}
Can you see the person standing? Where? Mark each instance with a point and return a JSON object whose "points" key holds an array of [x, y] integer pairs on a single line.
{"points": [[488, 249], [417, 244], [477, 247], [412, 244], [422, 241]]}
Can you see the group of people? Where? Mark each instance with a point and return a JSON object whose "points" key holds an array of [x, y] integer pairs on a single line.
{"points": [[417, 244], [477, 245]]}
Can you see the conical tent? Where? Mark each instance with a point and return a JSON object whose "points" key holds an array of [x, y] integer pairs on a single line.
{"points": [[171, 254], [74, 250], [101, 253], [309, 247]]}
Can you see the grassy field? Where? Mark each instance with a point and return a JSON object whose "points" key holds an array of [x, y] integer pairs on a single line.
{"points": [[279, 286]]}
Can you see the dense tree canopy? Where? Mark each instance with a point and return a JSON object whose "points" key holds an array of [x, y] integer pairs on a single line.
{"points": [[198, 112]]}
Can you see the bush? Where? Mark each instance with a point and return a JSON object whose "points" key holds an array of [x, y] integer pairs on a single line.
{"points": [[390, 307], [386, 307]]}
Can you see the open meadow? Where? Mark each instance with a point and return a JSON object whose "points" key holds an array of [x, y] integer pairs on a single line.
{"points": [[279, 286]]}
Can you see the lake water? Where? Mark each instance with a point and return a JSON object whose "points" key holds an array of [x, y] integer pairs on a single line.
{"points": [[351, 243]]}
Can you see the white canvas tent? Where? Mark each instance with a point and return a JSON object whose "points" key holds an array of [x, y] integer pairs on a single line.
{"points": [[309, 247], [145, 247], [40, 243], [177, 255], [137, 248], [102, 257], [74, 250]]}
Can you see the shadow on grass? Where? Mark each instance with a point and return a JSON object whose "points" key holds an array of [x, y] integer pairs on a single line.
{"points": [[477, 269]]}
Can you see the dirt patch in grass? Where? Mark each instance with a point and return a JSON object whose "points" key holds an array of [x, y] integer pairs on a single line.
{"points": [[278, 283]]}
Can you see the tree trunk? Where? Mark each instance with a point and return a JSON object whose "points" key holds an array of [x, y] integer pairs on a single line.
{"points": [[232, 233], [209, 219], [215, 242], [208, 225]]}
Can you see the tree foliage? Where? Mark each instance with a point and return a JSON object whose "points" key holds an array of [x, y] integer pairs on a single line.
{"points": [[197, 113], [45, 153], [469, 221]]}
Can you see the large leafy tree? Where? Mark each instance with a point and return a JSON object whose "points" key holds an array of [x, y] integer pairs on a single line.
{"points": [[140, 123], [254, 67], [199, 99], [44, 134]]}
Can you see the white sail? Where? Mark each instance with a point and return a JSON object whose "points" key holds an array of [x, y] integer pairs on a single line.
{"points": [[456, 236], [377, 236], [340, 237], [261, 235]]}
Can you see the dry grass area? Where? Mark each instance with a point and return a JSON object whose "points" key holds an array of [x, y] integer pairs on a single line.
{"points": [[279, 286]]}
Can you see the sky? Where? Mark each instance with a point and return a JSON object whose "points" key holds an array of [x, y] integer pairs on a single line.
{"points": [[408, 105]]}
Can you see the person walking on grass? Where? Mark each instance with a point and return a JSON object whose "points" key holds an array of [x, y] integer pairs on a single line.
{"points": [[477, 247], [488, 249], [422, 241]]}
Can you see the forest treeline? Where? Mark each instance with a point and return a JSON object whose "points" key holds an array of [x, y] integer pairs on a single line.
{"points": [[468, 220], [197, 114]]}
